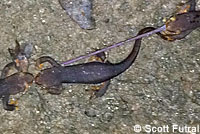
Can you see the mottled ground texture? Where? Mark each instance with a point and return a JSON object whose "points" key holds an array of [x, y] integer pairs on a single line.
{"points": [[161, 88]]}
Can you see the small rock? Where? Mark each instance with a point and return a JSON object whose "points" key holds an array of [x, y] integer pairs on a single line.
{"points": [[80, 11]]}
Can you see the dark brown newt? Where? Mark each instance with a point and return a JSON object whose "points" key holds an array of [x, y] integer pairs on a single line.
{"points": [[184, 22], [87, 73]]}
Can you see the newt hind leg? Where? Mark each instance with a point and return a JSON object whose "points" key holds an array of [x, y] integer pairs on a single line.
{"points": [[41, 60], [6, 69], [7, 105], [99, 91]]}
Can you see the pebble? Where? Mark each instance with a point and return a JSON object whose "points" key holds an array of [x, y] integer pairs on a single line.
{"points": [[80, 11]]}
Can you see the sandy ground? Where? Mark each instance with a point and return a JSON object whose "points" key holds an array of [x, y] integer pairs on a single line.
{"points": [[161, 88]]}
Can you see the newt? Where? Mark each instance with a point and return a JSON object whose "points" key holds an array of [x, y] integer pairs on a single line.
{"points": [[182, 23], [87, 73]]}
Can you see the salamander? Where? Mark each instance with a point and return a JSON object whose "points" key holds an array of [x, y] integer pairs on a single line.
{"points": [[182, 23], [86, 73]]}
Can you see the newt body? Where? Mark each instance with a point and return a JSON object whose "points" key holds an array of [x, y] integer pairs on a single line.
{"points": [[87, 73]]}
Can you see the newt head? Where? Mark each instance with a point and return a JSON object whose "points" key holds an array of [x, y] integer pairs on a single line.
{"points": [[185, 20], [20, 56], [171, 28], [180, 25], [49, 77], [21, 63]]}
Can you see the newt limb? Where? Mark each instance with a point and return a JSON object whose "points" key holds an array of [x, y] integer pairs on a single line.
{"points": [[100, 90], [13, 102], [6, 105], [43, 59], [6, 69]]}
